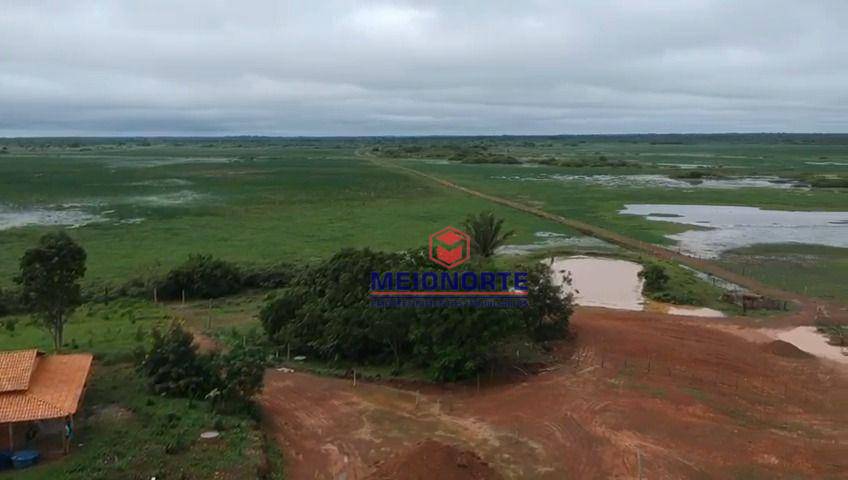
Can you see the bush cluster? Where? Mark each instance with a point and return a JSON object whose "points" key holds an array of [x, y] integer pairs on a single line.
{"points": [[201, 276], [325, 312], [10, 302], [174, 367]]}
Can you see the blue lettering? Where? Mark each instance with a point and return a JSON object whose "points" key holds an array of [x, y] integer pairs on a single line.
{"points": [[450, 281], [429, 281], [487, 281], [469, 281], [402, 280], [521, 281], [379, 282]]}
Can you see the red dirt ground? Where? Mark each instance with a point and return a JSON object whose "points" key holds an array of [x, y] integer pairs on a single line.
{"points": [[420, 461], [675, 395]]}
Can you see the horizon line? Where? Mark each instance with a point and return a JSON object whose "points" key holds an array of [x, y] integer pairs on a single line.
{"points": [[437, 135]]}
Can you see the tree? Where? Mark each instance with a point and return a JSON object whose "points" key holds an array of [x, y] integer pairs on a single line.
{"points": [[49, 279], [486, 233]]}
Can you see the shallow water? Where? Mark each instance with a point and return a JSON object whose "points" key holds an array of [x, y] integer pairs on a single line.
{"points": [[601, 282], [613, 283], [694, 311], [729, 227], [811, 341], [163, 182], [167, 199], [148, 162], [663, 181], [16, 218]]}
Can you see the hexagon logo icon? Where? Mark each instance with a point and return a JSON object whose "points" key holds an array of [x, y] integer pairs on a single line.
{"points": [[450, 247]]}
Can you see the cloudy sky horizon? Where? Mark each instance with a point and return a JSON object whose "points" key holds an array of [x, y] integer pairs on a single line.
{"points": [[322, 68]]}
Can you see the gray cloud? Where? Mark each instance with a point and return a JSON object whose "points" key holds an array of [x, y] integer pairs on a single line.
{"points": [[441, 67]]}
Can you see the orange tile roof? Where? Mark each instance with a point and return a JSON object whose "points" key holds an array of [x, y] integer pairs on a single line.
{"points": [[55, 390], [16, 368]]}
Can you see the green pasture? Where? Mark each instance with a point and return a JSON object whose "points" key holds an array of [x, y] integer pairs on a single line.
{"points": [[249, 205]]}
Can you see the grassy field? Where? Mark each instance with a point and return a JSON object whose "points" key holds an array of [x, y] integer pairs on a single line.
{"points": [[815, 270], [124, 431], [261, 201], [249, 205]]}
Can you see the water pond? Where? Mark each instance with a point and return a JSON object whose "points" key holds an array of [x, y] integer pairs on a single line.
{"points": [[612, 283], [722, 227]]}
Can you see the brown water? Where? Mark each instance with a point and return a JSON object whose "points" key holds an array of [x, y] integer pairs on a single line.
{"points": [[811, 341], [613, 283], [601, 282]]}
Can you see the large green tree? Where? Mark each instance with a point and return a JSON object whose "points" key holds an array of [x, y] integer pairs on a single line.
{"points": [[49, 279], [486, 233]]}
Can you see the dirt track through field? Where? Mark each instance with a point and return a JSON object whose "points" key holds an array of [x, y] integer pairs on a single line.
{"points": [[692, 401], [809, 306]]}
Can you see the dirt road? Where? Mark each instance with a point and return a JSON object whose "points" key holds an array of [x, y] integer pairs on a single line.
{"points": [[681, 398]]}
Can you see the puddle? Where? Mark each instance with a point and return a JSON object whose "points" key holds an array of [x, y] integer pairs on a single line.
{"points": [[168, 199], [601, 282], [701, 155], [163, 182], [811, 341], [664, 181], [684, 166], [613, 283], [724, 228], [685, 310], [148, 162], [431, 161], [71, 217]]}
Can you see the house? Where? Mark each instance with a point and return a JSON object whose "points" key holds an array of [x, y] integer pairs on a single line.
{"points": [[38, 390]]}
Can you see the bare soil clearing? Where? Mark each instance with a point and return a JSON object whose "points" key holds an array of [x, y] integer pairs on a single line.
{"points": [[418, 463], [692, 401]]}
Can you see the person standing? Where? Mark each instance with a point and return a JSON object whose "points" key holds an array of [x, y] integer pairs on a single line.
{"points": [[68, 434]]}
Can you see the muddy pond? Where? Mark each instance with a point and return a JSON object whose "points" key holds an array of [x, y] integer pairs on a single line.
{"points": [[612, 283]]}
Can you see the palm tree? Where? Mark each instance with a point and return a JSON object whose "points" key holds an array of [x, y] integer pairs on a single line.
{"points": [[485, 231]]}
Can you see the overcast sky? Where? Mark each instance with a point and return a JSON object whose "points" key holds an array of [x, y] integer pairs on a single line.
{"points": [[206, 67]]}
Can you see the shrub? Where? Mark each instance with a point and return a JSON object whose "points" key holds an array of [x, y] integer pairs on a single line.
{"points": [[7, 303], [201, 276], [276, 276], [173, 366], [240, 371], [278, 316], [548, 311], [655, 277]]}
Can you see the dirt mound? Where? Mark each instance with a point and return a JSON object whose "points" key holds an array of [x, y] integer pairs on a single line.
{"points": [[785, 349], [431, 459]]}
